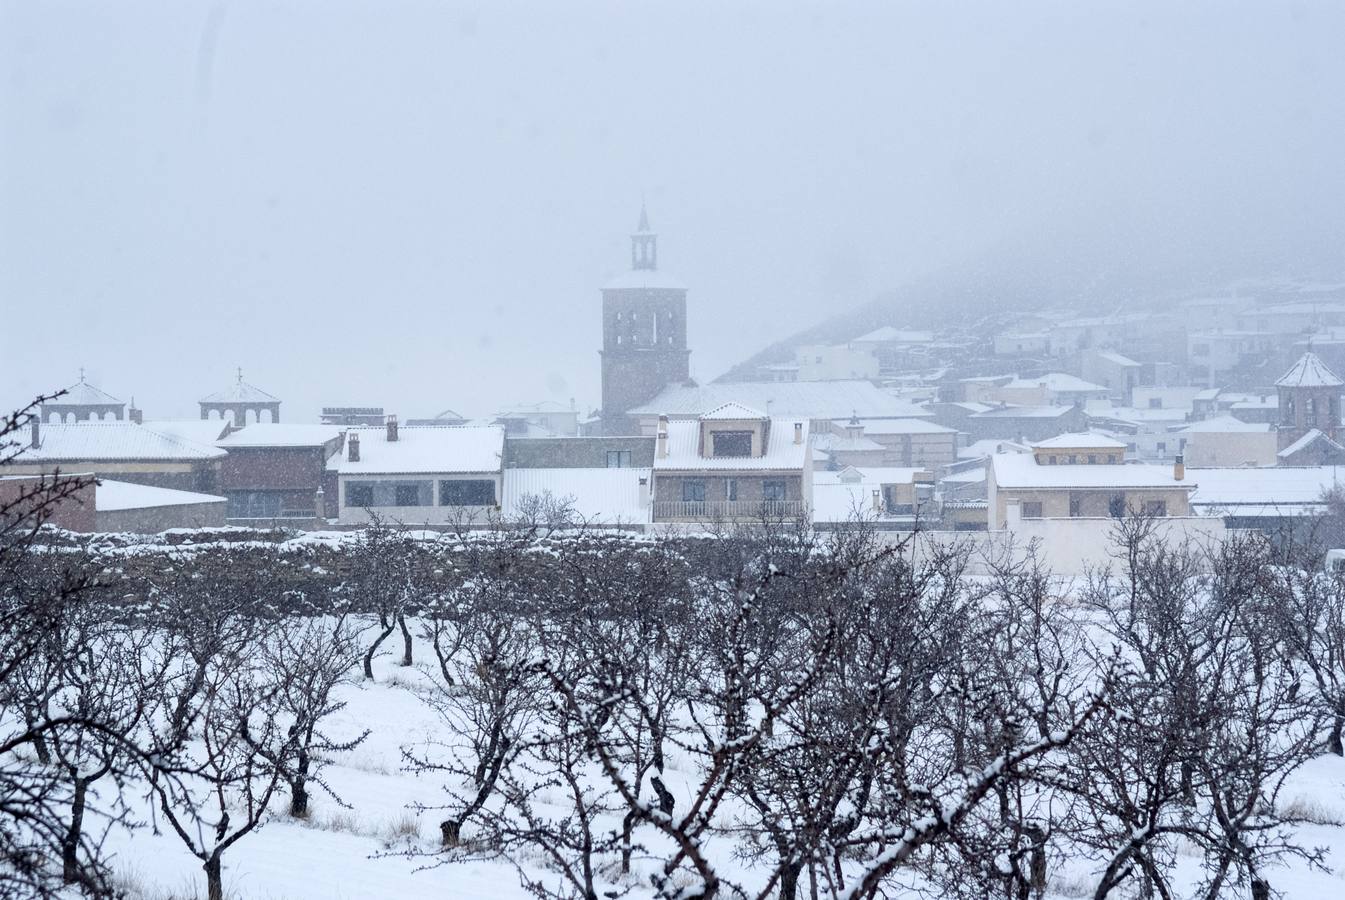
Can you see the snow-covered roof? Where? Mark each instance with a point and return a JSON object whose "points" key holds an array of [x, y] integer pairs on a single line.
{"points": [[1056, 382], [423, 449], [240, 392], [905, 426], [1166, 415], [1024, 412], [1015, 470], [1309, 371], [888, 334], [732, 411], [794, 399], [782, 454], [599, 496], [1220, 424], [1226, 491], [1084, 440], [651, 279], [831, 443], [112, 440], [1115, 358], [1313, 436], [281, 434], [116, 495], [83, 394], [839, 496], [1257, 403], [199, 431], [989, 447]]}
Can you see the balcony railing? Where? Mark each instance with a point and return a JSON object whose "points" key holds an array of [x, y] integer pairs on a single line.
{"points": [[717, 510]]}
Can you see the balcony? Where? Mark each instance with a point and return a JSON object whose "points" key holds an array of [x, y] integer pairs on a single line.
{"points": [[725, 510]]}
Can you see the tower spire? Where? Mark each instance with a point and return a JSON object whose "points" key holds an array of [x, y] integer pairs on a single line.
{"points": [[644, 244]]}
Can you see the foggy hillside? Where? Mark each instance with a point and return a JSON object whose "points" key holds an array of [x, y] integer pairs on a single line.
{"points": [[1134, 263]]}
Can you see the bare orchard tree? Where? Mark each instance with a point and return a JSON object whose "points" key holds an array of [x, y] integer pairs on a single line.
{"points": [[1208, 721], [239, 731], [41, 600], [304, 659], [485, 710], [386, 567]]}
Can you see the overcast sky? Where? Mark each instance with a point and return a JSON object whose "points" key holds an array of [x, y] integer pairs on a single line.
{"points": [[414, 204]]}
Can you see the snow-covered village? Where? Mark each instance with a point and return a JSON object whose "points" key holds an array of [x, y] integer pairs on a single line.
{"points": [[738, 451]]}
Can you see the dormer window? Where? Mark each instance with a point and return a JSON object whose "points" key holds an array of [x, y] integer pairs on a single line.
{"points": [[731, 443]]}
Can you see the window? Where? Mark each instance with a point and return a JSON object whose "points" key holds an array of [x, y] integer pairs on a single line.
{"points": [[1072, 459], [254, 505], [731, 443], [1116, 506], [1155, 507], [618, 459], [1075, 506], [360, 494], [730, 488], [1053, 459], [1162, 446], [407, 495], [1155, 402], [467, 492], [1092, 459], [773, 490], [693, 491], [1031, 509]]}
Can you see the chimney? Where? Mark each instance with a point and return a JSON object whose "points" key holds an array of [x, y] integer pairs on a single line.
{"points": [[134, 414], [1179, 468], [392, 428], [662, 437], [37, 431], [353, 447], [798, 432], [877, 500]]}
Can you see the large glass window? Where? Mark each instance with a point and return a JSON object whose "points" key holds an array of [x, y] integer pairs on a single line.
{"points": [[389, 493], [467, 492], [1031, 509], [731, 443], [693, 491], [618, 459], [773, 490], [360, 494]]}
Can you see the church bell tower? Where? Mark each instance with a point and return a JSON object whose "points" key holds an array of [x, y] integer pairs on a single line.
{"points": [[644, 337]]}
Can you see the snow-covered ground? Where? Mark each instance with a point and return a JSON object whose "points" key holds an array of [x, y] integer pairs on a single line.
{"points": [[351, 853]]}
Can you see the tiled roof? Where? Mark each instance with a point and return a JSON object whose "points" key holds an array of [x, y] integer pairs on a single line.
{"points": [[84, 394], [732, 411], [792, 399], [1071, 441], [1309, 371], [240, 392], [1017, 470], [281, 435], [423, 449], [781, 454], [112, 440]]}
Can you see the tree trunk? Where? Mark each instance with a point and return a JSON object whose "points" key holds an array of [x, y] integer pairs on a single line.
{"points": [[406, 640], [451, 832], [789, 881], [373, 648], [1260, 888], [39, 739], [1337, 727], [627, 826], [299, 788], [214, 884], [70, 870]]}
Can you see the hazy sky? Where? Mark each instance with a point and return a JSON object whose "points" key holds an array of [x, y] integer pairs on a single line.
{"points": [[414, 204]]}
